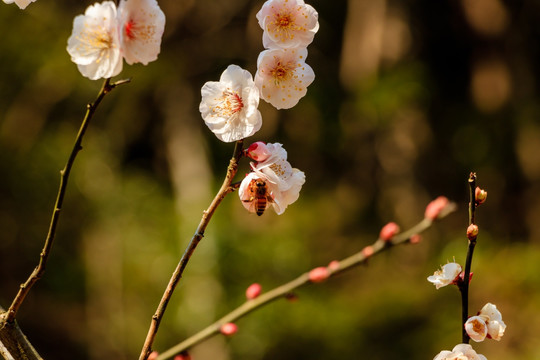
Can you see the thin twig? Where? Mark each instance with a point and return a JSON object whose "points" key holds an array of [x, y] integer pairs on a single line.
{"points": [[199, 233], [304, 279], [464, 285], [64, 176]]}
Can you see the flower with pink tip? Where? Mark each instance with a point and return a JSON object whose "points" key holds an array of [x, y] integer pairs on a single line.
{"points": [[495, 325], [22, 4], [94, 44], [287, 23], [283, 76], [434, 208], [258, 151], [141, 27], [448, 274], [476, 328], [460, 352], [229, 106]]}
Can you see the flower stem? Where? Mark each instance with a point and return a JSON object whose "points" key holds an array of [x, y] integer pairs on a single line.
{"points": [[286, 289], [464, 288], [199, 234], [37, 273]]}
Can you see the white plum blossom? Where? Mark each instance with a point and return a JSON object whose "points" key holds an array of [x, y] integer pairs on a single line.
{"points": [[229, 106], [22, 4], [94, 44], [283, 76], [282, 180], [287, 23], [141, 27], [460, 352], [476, 328], [447, 275], [495, 324]]}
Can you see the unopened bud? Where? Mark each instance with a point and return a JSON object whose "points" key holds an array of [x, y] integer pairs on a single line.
{"points": [[472, 232], [388, 231], [480, 195], [415, 239], [228, 329], [291, 297], [183, 356], [319, 274], [253, 291], [153, 355], [258, 151], [368, 251], [334, 265], [434, 208]]}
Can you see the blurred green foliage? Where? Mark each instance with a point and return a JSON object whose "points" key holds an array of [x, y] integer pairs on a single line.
{"points": [[410, 97]]}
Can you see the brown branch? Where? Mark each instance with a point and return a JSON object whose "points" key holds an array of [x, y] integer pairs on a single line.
{"points": [[304, 279], [199, 233], [13, 343], [64, 176]]}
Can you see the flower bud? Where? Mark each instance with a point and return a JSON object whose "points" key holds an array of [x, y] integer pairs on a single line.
{"points": [[153, 355], [319, 274], [253, 291], [334, 265], [434, 208], [183, 356], [258, 151], [480, 195], [368, 251], [388, 231], [228, 329], [415, 239], [472, 232], [291, 297]]}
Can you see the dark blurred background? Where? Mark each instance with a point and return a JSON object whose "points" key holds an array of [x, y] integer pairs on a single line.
{"points": [[409, 97]]}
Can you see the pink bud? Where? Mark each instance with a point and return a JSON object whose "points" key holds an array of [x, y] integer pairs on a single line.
{"points": [[292, 297], [258, 151], [319, 274], [388, 231], [253, 291], [472, 232], [153, 355], [480, 195], [415, 239], [368, 251], [334, 265], [435, 207], [228, 329], [183, 356]]}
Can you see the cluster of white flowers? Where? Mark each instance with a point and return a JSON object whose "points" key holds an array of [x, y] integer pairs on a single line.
{"points": [[460, 352], [22, 4], [229, 106], [282, 73], [488, 323], [282, 180], [105, 35]]}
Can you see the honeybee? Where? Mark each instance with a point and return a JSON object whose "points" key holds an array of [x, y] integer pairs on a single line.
{"points": [[259, 196]]}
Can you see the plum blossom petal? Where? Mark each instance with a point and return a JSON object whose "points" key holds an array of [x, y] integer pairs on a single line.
{"points": [[446, 276], [229, 107], [22, 4], [141, 27], [495, 325], [94, 43], [283, 76], [287, 23], [460, 352], [476, 328]]}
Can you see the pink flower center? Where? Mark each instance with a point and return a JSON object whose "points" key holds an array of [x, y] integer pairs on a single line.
{"points": [[128, 29], [230, 104], [282, 71]]}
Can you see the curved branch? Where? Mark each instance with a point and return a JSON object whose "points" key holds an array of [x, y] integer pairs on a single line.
{"points": [[199, 234], [64, 176], [304, 279]]}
